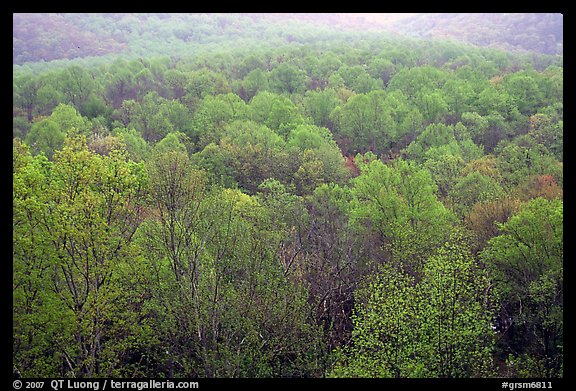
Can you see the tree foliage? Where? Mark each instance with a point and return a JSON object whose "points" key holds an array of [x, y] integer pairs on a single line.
{"points": [[438, 326], [285, 195]]}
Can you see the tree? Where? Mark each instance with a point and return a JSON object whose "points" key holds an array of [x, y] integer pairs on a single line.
{"points": [[547, 133], [319, 104], [214, 255], [439, 326], [275, 111], [213, 113], [473, 188], [86, 221], [518, 163], [438, 139], [248, 153], [287, 78], [485, 218], [254, 82], [26, 91], [331, 260], [137, 148], [364, 122], [77, 85], [47, 135], [38, 320], [524, 91], [459, 96], [154, 117], [445, 171], [319, 159], [527, 262], [414, 80], [398, 203], [174, 141]]}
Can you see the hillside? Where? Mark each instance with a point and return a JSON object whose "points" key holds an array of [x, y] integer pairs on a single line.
{"points": [[47, 37], [283, 196], [542, 33]]}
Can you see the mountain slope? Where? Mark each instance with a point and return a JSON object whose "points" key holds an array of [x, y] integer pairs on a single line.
{"points": [[537, 32]]}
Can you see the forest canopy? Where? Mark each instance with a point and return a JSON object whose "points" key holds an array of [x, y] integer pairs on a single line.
{"points": [[225, 195]]}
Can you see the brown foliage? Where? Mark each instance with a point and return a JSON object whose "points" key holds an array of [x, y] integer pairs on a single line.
{"points": [[485, 215], [544, 186], [350, 164]]}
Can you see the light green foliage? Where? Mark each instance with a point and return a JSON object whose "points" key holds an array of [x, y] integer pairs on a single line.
{"points": [[25, 93], [212, 113], [319, 104], [493, 101], [365, 122], [276, 112], [226, 288], [413, 80], [445, 170], [471, 189], [487, 130], [518, 162], [254, 82], [136, 146], [400, 204], [203, 82], [459, 95], [252, 152], [155, 116], [357, 79], [386, 321], [439, 326], [85, 224], [287, 78], [527, 259], [174, 141], [439, 139], [47, 135], [319, 158], [38, 320], [523, 90]]}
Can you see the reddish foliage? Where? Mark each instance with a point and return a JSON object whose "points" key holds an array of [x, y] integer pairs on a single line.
{"points": [[540, 186], [351, 165]]}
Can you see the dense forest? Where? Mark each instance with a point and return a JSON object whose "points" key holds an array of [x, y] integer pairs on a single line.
{"points": [[253, 195]]}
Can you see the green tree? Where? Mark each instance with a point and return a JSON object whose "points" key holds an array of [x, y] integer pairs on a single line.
{"points": [[154, 117], [87, 220], [174, 141], [77, 85], [439, 326], [26, 89], [319, 104], [287, 78], [471, 189], [524, 91], [275, 111], [398, 203], [38, 320], [438, 139], [137, 148], [47, 135], [527, 262], [254, 82], [212, 113], [214, 258], [364, 122], [253, 153]]}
